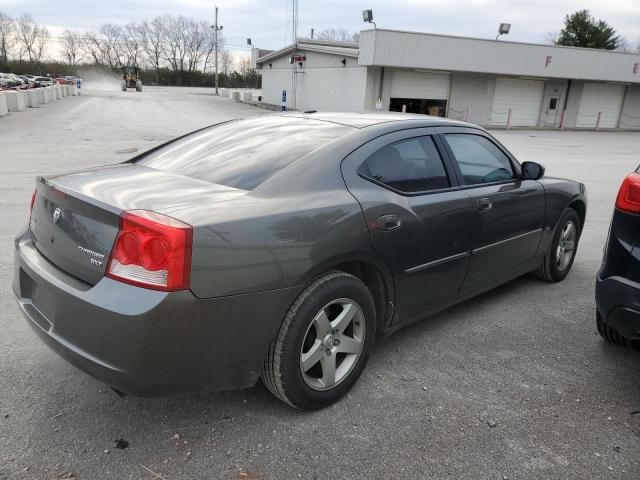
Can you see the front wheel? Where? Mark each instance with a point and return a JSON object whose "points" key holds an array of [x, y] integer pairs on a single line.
{"points": [[138, 86], [123, 85], [323, 343], [559, 258]]}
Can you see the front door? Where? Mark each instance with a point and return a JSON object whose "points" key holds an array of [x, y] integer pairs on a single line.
{"points": [[509, 211], [420, 222]]}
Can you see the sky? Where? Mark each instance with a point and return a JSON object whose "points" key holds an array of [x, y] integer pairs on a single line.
{"points": [[268, 22]]}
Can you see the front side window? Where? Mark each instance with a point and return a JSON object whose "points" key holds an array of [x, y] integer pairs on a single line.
{"points": [[480, 160], [412, 165]]}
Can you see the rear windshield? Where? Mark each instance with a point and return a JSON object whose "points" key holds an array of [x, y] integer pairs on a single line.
{"points": [[245, 153]]}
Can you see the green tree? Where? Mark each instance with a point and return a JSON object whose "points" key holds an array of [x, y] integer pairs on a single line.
{"points": [[582, 30]]}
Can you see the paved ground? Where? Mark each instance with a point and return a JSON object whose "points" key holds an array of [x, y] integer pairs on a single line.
{"points": [[514, 384]]}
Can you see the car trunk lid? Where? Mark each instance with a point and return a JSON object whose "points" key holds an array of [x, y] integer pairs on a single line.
{"points": [[75, 218]]}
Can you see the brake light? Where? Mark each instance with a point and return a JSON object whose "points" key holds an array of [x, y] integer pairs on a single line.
{"points": [[152, 251], [629, 194], [33, 201]]}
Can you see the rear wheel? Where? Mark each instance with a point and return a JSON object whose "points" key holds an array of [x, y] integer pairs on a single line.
{"points": [[123, 85], [323, 343], [559, 258], [138, 86]]}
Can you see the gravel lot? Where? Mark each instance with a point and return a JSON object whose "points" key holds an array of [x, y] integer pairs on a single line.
{"points": [[514, 384]]}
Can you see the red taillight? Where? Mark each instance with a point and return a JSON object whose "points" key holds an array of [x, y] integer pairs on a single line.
{"points": [[152, 250], [33, 200], [629, 195]]}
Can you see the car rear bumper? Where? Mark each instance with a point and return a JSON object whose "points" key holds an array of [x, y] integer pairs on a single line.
{"points": [[618, 302], [147, 342]]}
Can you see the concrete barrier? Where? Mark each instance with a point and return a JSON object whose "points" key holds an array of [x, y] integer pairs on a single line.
{"points": [[74, 90], [52, 93], [4, 108], [42, 98], [235, 96], [247, 96], [58, 92], [33, 99], [69, 90], [15, 101]]}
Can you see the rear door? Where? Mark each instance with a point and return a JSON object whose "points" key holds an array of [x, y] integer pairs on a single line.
{"points": [[420, 222], [508, 212]]}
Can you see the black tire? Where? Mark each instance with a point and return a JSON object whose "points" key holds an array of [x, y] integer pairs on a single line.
{"points": [[549, 270], [608, 333], [282, 371]]}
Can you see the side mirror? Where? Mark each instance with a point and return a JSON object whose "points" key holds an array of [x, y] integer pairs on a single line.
{"points": [[532, 171]]}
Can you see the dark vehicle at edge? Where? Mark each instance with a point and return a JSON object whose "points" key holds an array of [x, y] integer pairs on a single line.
{"points": [[618, 281], [281, 247]]}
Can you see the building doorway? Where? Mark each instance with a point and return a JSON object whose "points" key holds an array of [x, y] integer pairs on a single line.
{"points": [[433, 107]]}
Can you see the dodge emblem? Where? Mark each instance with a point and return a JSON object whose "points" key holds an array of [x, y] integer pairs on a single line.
{"points": [[57, 214]]}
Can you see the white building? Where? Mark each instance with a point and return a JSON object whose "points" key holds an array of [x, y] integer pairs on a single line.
{"points": [[488, 82]]}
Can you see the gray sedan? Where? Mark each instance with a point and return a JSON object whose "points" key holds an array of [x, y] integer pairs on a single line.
{"points": [[282, 248]]}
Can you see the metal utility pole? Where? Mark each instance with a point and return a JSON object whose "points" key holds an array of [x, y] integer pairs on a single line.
{"points": [[294, 31], [216, 29]]}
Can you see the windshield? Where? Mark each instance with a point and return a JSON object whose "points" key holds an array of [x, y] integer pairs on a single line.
{"points": [[245, 153]]}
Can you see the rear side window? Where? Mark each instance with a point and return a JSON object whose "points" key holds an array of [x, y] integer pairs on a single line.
{"points": [[412, 165], [480, 160], [245, 153]]}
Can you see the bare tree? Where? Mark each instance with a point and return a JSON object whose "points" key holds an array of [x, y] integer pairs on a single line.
{"points": [[624, 46], [151, 42], [244, 65], [111, 44], [226, 62], [42, 39], [174, 33], [196, 44], [7, 35], [27, 36], [92, 47], [132, 44], [338, 35], [209, 56], [72, 47]]}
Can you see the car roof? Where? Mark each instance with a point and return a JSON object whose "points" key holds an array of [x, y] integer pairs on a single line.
{"points": [[363, 120]]}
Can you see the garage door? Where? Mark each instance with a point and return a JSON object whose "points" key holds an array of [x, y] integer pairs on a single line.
{"points": [[600, 97], [411, 84], [523, 97]]}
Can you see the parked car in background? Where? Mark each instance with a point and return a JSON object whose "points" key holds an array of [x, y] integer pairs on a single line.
{"points": [[44, 81], [282, 247], [8, 81], [61, 81], [20, 83], [618, 281], [30, 83]]}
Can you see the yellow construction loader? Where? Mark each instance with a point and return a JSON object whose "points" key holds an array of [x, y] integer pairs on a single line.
{"points": [[130, 79]]}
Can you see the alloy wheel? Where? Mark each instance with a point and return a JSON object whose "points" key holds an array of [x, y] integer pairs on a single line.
{"points": [[566, 245], [332, 344]]}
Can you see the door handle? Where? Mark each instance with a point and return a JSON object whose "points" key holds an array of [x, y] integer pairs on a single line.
{"points": [[387, 223], [484, 204]]}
